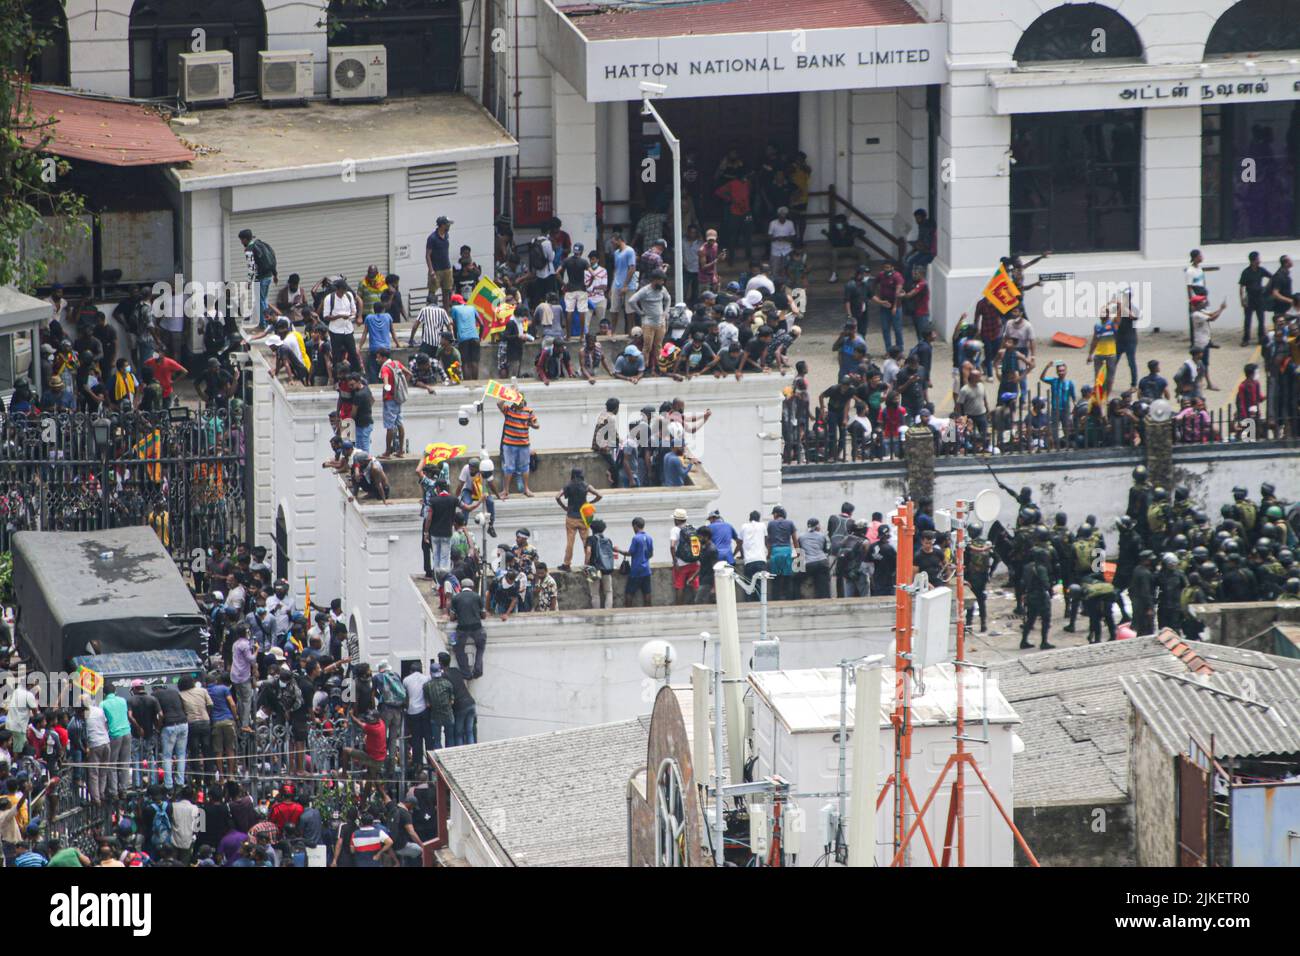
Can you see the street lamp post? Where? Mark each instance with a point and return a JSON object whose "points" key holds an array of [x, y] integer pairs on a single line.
{"points": [[674, 146], [103, 433]]}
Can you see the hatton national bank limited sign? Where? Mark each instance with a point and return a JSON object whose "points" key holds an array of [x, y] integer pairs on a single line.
{"points": [[781, 61]]}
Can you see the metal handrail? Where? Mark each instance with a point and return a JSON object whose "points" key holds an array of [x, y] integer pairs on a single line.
{"points": [[899, 242]]}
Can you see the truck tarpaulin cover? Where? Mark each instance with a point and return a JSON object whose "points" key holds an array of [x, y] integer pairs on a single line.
{"points": [[117, 588]]}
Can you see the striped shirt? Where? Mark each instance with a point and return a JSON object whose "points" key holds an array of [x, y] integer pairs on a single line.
{"points": [[515, 431], [430, 323]]}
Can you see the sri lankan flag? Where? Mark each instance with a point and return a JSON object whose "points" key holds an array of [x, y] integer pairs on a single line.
{"points": [[490, 301], [1001, 291], [150, 447], [501, 392], [92, 682]]}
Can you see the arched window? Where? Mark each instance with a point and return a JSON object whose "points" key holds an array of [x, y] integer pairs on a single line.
{"points": [[1082, 31], [49, 63], [422, 37], [1255, 26], [163, 29]]}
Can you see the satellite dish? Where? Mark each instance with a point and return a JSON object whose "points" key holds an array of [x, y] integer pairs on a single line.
{"points": [[1161, 410], [656, 659], [988, 505]]}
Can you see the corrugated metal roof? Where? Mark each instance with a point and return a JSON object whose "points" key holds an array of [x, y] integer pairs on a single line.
{"points": [[101, 131], [1075, 716], [1249, 715], [556, 799], [666, 19]]}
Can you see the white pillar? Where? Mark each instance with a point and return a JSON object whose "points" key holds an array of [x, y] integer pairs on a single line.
{"points": [[866, 767], [732, 670], [573, 150]]}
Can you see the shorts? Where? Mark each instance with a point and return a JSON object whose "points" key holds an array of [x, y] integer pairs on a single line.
{"points": [[469, 350], [298, 730], [392, 414], [638, 585], [514, 459], [781, 561], [682, 573], [223, 736], [575, 301], [618, 299]]}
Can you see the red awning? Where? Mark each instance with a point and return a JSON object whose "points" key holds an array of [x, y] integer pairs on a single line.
{"points": [[101, 131], [734, 16]]}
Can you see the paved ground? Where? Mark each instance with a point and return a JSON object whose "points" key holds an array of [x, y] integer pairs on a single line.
{"points": [[1002, 639]]}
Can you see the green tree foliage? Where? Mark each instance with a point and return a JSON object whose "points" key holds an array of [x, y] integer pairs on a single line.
{"points": [[30, 179]]}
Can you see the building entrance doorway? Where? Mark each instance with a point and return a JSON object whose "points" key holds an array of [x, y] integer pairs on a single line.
{"points": [[709, 128]]}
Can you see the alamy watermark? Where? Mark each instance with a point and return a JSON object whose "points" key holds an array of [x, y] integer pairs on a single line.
{"points": [[1084, 299]]}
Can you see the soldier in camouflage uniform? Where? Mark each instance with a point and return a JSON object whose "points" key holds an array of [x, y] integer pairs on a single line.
{"points": [[1036, 585]]}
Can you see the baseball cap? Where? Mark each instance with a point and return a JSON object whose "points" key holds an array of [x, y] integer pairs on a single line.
{"points": [[443, 221], [632, 352], [458, 299], [636, 330]]}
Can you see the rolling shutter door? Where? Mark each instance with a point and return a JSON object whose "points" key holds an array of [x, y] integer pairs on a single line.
{"points": [[325, 239]]}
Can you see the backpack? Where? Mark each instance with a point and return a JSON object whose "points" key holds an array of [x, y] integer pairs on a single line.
{"points": [[437, 696], [160, 832], [1184, 375], [537, 260], [1083, 554], [602, 552], [1156, 517], [391, 690], [688, 545], [401, 389]]}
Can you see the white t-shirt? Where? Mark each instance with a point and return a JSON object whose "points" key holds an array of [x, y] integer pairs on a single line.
{"points": [[1195, 276], [727, 333], [1200, 329], [96, 727], [781, 233], [763, 284], [21, 707], [673, 535], [753, 541], [597, 282], [339, 311], [414, 683]]}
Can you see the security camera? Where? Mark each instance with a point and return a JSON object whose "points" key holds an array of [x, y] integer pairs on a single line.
{"points": [[464, 414], [652, 89]]}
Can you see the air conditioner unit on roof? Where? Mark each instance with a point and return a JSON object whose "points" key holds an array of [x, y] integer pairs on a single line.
{"points": [[358, 72], [286, 75], [207, 77]]}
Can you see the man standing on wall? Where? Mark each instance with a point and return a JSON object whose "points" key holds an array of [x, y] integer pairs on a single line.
{"points": [[437, 256], [261, 268]]}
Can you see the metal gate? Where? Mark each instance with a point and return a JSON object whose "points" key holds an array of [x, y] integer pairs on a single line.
{"points": [[181, 471], [1193, 813]]}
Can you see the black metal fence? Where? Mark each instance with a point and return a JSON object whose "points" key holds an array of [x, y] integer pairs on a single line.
{"points": [[181, 471], [1022, 426]]}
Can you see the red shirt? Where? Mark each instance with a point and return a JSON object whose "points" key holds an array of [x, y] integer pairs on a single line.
{"points": [[892, 419], [375, 745], [286, 814], [735, 192], [164, 370], [388, 374]]}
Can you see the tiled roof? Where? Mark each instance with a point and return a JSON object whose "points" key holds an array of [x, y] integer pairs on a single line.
{"points": [[666, 19], [557, 799]]}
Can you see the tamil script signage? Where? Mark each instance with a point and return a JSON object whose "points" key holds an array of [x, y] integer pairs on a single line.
{"points": [[783, 61], [1034, 91]]}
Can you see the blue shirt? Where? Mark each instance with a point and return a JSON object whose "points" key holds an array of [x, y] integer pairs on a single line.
{"points": [[379, 330], [624, 265], [640, 551], [465, 318], [220, 695], [724, 537], [439, 248], [1062, 394], [675, 470], [846, 352]]}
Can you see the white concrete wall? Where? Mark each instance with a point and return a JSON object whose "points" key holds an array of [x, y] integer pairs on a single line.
{"points": [[1096, 484], [573, 146], [385, 541], [747, 470], [552, 671], [974, 224]]}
